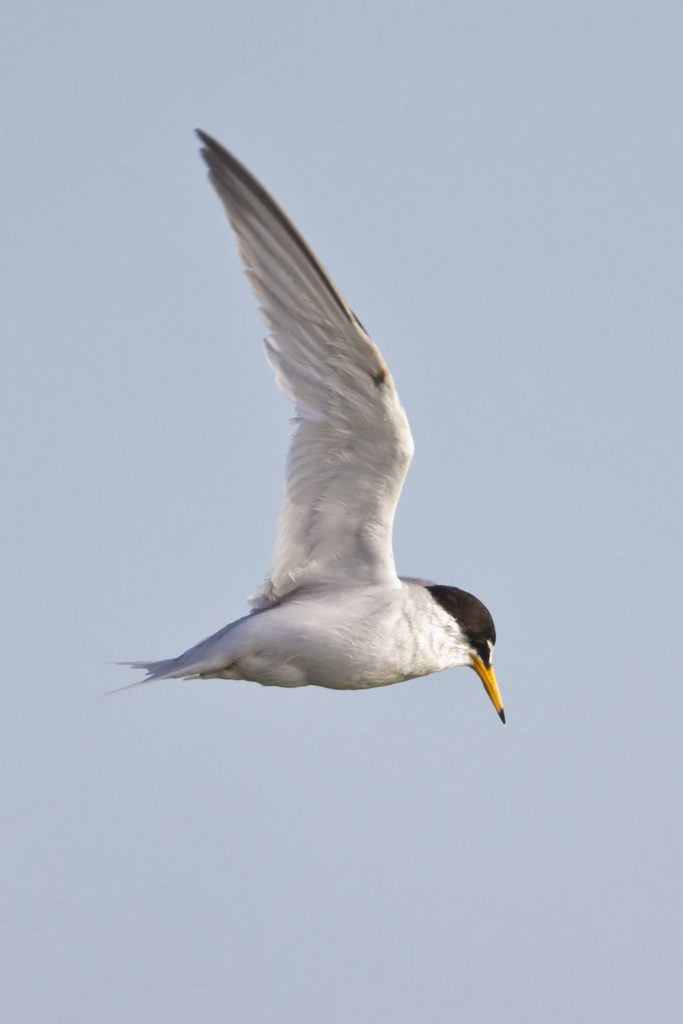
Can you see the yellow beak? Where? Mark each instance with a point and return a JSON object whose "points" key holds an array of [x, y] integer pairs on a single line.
{"points": [[488, 678]]}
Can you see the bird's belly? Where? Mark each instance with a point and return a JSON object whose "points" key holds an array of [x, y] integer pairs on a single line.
{"points": [[331, 670], [319, 661], [343, 652]]}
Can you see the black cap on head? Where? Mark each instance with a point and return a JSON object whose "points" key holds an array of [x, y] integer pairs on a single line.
{"points": [[473, 617]]}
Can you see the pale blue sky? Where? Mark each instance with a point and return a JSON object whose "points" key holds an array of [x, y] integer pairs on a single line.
{"points": [[496, 188]]}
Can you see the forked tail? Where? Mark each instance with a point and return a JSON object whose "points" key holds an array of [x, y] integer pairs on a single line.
{"points": [[171, 668]]}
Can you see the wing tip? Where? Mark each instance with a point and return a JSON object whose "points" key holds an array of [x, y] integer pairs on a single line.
{"points": [[211, 150]]}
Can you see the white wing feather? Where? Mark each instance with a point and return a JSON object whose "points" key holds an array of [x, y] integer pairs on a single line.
{"points": [[351, 445]]}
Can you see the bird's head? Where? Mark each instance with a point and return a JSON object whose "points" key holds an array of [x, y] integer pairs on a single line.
{"points": [[479, 634]]}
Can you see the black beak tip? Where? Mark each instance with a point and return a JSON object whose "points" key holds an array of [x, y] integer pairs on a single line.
{"points": [[501, 715]]}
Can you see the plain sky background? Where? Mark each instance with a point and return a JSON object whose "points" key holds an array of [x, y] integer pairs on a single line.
{"points": [[497, 190]]}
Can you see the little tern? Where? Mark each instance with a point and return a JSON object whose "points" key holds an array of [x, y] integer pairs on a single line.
{"points": [[333, 612]]}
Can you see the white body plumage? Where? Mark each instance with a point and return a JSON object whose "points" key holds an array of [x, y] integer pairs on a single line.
{"points": [[343, 638]]}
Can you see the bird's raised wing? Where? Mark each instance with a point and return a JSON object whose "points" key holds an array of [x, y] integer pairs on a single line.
{"points": [[351, 445]]}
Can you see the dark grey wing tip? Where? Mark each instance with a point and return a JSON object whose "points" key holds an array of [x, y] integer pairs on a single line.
{"points": [[207, 142], [226, 173], [215, 154]]}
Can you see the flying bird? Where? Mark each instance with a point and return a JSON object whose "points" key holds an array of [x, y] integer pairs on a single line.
{"points": [[333, 612]]}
